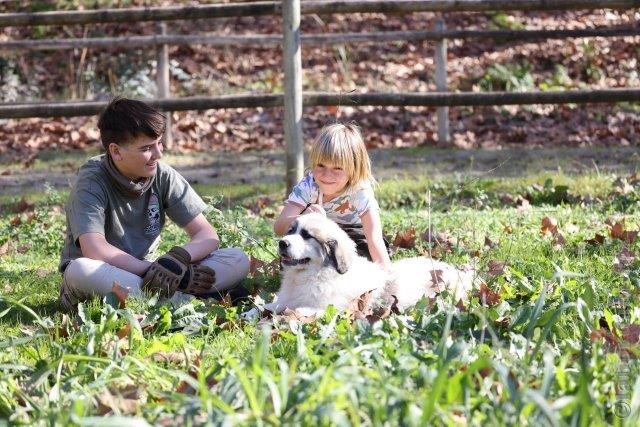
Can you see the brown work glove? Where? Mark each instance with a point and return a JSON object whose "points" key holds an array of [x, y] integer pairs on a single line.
{"points": [[174, 271]]}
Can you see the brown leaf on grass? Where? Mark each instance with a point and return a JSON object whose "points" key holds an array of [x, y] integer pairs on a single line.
{"points": [[623, 260], [488, 243], [194, 369], [436, 277], [4, 248], [360, 307], [507, 229], [524, 206], [289, 314], [558, 240], [120, 292], [257, 267], [259, 204], [15, 221], [364, 308], [405, 239], [169, 357], [549, 225], [126, 400], [631, 333], [23, 249], [611, 341], [598, 239], [496, 268], [487, 296], [617, 231], [441, 242], [22, 206]]}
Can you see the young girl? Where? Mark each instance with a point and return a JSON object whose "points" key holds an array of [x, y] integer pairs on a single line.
{"points": [[339, 185]]}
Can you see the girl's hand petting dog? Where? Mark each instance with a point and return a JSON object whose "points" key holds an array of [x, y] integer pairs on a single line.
{"points": [[315, 207]]}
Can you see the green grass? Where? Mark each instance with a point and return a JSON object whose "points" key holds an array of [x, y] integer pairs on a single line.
{"points": [[534, 358]]}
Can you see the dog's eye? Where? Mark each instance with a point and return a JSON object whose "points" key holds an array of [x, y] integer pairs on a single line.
{"points": [[291, 230], [305, 234]]}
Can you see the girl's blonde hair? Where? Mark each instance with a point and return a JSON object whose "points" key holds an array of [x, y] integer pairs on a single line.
{"points": [[342, 145]]}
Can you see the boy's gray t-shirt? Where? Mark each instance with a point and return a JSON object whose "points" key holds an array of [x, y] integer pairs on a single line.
{"points": [[131, 224]]}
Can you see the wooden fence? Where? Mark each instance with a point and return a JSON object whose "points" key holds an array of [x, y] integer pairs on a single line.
{"points": [[293, 98]]}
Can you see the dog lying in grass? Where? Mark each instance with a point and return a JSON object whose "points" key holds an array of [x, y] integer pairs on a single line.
{"points": [[320, 267]]}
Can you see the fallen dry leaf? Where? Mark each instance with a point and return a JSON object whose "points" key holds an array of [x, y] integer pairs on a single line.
{"points": [[630, 333], [624, 259], [524, 206], [488, 243], [405, 239], [558, 240], [4, 248], [549, 225], [496, 268], [598, 239], [170, 357], [120, 293], [125, 401], [487, 296], [22, 206], [257, 267], [617, 231]]}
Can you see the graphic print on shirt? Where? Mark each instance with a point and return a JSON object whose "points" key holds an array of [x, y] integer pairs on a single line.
{"points": [[343, 209], [153, 215]]}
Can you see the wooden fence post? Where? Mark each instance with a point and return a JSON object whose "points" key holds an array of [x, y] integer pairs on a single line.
{"points": [[292, 58], [441, 84], [162, 82]]}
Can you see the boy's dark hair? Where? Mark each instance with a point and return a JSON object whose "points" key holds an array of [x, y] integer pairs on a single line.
{"points": [[126, 119]]}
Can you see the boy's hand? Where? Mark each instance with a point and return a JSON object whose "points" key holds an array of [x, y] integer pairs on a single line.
{"points": [[174, 271], [166, 273]]}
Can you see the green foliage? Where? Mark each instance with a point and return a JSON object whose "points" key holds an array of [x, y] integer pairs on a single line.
{"points": [[511, 77], [505, 21]]}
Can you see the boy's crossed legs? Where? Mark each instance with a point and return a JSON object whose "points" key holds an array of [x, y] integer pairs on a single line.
{"points": [[85, 278]]}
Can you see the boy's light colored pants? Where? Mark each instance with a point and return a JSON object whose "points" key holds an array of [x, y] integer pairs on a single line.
{"points": [[85, 278]]}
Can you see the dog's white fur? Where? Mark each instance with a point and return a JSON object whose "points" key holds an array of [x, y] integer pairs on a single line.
{"points": [[321, 267]]}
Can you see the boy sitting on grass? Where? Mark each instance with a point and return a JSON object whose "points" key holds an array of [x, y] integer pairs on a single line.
{"points": [[117, 208]]}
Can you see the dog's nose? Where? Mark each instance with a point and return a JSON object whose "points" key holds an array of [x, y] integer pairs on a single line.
{"points": [[283, 245]]}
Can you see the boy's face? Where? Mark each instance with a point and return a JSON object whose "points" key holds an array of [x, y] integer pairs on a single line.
{"points": [[138, 159]]}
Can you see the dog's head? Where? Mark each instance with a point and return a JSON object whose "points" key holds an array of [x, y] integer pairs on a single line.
{"points": [[315, 241]]}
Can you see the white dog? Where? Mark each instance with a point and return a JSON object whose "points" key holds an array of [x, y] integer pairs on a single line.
{"points": [[321, 267]]}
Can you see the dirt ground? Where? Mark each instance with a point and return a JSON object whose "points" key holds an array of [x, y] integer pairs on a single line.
{"points": [[255, 167]]}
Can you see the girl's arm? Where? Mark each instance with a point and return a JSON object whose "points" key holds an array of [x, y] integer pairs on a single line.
{"points": [[372, 227], [289, 213]]}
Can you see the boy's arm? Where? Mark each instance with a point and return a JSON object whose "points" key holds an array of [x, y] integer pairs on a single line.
{"points": [[204, 238], [95, 246], [372, 227]]}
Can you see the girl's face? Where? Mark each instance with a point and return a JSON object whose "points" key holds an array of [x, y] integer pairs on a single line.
{"points": [[331, 179]]}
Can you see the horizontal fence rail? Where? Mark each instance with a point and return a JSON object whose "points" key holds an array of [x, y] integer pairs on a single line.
{"points": [[431, 99], [315, 39], [307, 7]]}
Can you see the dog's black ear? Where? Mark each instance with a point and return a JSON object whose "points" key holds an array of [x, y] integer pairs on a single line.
{"points": [[340, 259]]}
